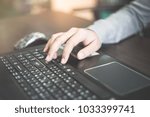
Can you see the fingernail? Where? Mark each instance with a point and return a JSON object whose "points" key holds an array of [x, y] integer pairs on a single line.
{"points": [[63, 61], [48, 58], [44, 50], [46, 61], [80, 55]]}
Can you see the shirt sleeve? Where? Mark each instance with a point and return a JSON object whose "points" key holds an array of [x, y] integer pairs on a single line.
{"points": [[126, 22]]}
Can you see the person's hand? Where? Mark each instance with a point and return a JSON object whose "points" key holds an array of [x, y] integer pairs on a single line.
{"points": [[72, 38]]}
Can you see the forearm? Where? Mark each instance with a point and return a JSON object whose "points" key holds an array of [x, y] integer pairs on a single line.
{"points": [[123, 23]]}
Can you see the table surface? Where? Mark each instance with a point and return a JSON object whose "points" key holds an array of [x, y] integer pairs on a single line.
{"points": [[134, 52]]}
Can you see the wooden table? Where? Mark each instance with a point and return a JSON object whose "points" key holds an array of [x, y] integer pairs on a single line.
{"points": [[11, 30]]}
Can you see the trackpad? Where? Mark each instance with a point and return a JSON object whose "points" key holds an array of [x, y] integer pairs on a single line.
{"points": [[118, 78]]}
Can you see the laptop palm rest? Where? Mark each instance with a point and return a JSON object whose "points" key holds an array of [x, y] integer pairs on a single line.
{"points": [[118, 78]]}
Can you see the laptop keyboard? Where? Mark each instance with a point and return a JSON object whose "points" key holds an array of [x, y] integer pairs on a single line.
{"points": [[41, 80]]}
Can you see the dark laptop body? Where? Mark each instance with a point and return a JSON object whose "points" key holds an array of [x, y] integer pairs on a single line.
{"points": [[103, 75]]}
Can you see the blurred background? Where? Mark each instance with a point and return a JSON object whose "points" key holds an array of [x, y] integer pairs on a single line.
{"points": [[87, 9]]}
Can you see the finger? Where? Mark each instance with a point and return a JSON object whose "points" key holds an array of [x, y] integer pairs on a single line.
{"points": [[63, 38], [58, 42], [51, 40], [88, 50], [91, 37], [55, 56], [70, 44], [47, 46]]}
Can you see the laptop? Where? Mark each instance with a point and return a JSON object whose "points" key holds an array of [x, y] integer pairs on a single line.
{"points": [[25, 75]]}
